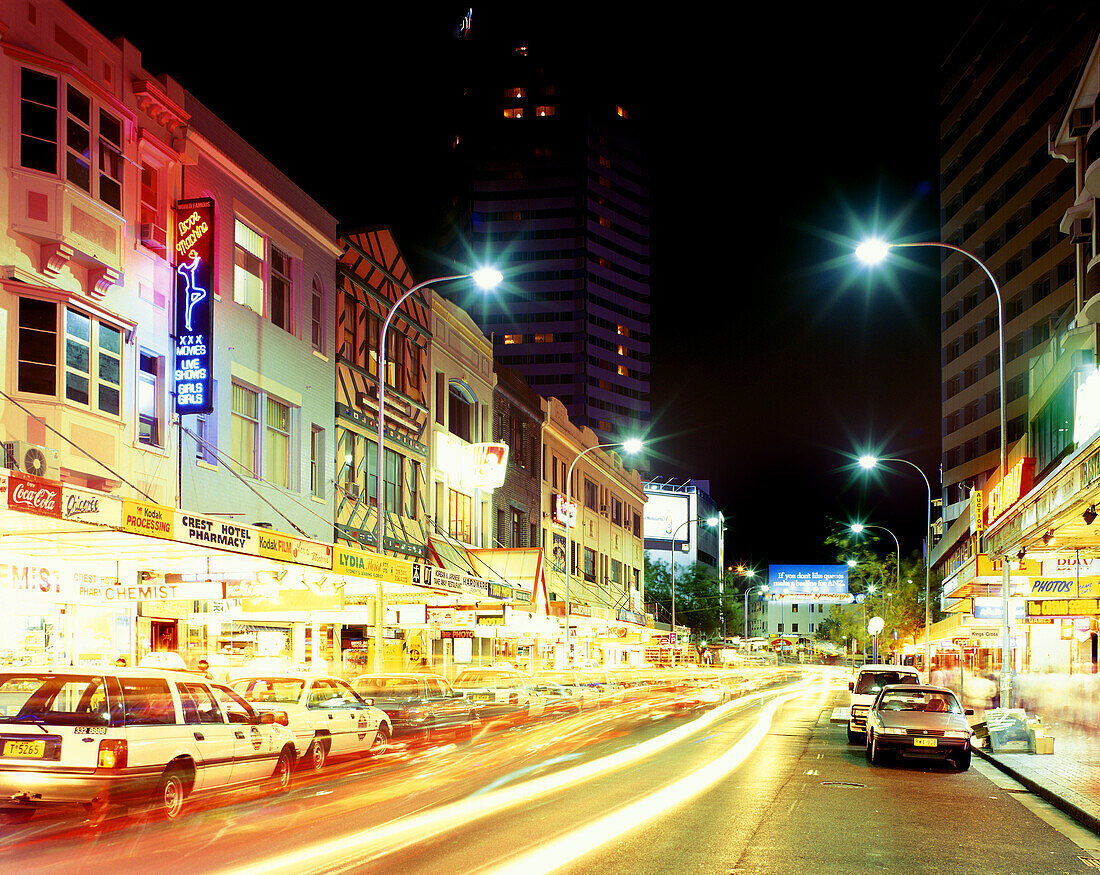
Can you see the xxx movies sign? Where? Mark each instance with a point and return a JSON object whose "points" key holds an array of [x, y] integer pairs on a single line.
{"points": [[31, 495]]}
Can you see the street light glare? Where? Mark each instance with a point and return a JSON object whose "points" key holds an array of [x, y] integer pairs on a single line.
{"points": [[633, 445], [857, 527], [712, 522], [872, 251], [851, 563], [487, 277], [867, 462]]}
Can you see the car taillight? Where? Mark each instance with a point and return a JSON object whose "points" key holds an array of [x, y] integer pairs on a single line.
{"points": [[281, 718], [112, 753]]}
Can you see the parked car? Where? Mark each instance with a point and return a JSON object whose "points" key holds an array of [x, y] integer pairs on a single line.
{"points": [[500, 693], [101, 737], [865, 685], [420, 706], [326, 717], [586, 694], [917, 720], [559, 700], [610, 691]]}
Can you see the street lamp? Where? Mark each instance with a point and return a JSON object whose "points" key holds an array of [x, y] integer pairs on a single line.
{"points": [[761, 588], [857, 528], [486, 278], [873, 251], [712, 522], [631, 446], [869, 462]]}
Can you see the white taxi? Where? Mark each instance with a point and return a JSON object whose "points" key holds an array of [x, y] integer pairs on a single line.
{"points": [[101, 737], [325, 715]]}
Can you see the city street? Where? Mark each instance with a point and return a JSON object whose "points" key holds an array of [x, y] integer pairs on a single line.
{"points": [[763, 784]]}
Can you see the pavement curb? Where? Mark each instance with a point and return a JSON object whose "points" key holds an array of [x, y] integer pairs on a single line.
{"points": [[1059, 801]]}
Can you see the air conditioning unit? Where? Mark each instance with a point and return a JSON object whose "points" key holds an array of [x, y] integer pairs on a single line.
{"points": [[32, 459], [1081, 231], [604, 509], [154, 236], [1080, 120], [352, 489]]}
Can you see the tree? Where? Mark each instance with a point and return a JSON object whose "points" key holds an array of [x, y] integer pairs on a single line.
{"points": [[698, 604]]}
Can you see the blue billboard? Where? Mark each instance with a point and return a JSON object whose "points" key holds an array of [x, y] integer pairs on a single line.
{"points": [[809, 580]]}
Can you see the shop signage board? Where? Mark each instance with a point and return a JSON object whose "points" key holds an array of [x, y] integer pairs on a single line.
{"points": [[34, 495], [153, 520], [1004, 493], [664, 516], [565, 514], [1064, 587], [357, 563], [213, 532], [86, 506], [1087, 607], [1071, 566], [992, 608], [626, 616]]}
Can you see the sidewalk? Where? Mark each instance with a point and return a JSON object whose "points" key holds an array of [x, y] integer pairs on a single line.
{"points": [[1069, 778]]}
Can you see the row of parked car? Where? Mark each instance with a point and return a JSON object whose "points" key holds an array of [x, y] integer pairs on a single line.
{"points": [[101, 738]]}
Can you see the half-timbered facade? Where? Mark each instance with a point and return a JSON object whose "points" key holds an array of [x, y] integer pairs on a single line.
{"points": [[372, 274]]}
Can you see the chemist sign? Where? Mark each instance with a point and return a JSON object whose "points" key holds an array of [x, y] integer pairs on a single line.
{"points": [[194, 305]]}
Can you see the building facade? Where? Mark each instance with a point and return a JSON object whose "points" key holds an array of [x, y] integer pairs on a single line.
{"points": [[676, 524], [554, 184], [517, 422]]}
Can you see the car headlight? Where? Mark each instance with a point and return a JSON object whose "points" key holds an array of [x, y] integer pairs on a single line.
{"points": [[957, 733], [892, 730]]}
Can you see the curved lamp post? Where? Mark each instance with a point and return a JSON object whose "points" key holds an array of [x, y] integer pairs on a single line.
{"points": [[869, 462], [874, 251], [710, 521], [631, 445], [858, 528], [486, 278], [745, 609]]}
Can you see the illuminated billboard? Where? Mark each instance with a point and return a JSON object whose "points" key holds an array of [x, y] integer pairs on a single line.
{"points": [[194, 306], [665, 515], [807, 580]]}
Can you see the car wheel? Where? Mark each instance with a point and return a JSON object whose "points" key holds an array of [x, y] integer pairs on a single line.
{"points": [[317, 755], [874, 755], [855, 737], [284, 766], [381, 740], [168, 802], [962, 760]]}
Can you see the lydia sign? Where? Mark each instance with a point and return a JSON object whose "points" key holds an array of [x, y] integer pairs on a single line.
{"points": [[194, 302]]}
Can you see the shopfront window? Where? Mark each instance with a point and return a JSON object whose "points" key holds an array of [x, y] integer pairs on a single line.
{"points": [[460, 514]]}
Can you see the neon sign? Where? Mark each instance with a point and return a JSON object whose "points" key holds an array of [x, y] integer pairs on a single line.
{"points": [[194, 306], [1009, 489]]}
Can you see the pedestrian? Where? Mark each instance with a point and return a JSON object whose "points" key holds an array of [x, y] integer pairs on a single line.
{"points": [[937, 678]]}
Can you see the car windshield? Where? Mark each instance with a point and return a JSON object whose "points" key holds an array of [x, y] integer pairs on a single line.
{"points": [[392, 688], [873, 681], [49, 698], [280, 691], [919, 700]]}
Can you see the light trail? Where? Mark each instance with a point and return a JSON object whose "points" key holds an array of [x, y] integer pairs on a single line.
{"points": [[373, 842]]}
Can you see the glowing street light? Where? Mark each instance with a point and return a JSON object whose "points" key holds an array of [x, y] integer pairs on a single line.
{"points": [[486, 278], [857, 528], [869, 462]]}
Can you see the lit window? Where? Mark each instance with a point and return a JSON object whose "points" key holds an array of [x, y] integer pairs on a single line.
{"points": [[316, 461], [605, 161], [513, 112], [510, 339], [460, 512], [520, 50], [605, 222], [622, 330], [514, 93], [93, 363], [544, 338], [248, 267], [623, 371], [621, 112], [545, 110]]}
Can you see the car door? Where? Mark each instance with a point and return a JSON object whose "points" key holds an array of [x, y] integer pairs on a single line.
{"points": [[446, 710], [362, 720], [253, 748], [324, 704], [215, 739]]}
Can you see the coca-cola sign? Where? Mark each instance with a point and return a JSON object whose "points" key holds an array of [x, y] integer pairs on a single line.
{"points": [[34, 495]]}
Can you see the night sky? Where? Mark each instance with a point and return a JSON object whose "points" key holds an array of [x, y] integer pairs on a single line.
{"points": [[774, 144]]}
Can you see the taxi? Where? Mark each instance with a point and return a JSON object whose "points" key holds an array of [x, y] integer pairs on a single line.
{"points": [[500, 693], [102, 737], [326, 717]]}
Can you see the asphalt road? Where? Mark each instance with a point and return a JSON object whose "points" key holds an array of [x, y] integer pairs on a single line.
{"points": [[763, 784]]}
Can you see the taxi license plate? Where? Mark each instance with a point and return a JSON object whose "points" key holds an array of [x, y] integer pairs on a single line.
{"points": [[481, 697], [27, 749], [924, 742]]}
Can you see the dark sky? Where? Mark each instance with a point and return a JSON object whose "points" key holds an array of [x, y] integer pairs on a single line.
{"points": [[775, 141]]}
